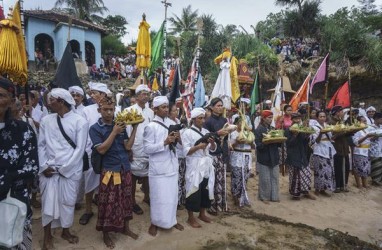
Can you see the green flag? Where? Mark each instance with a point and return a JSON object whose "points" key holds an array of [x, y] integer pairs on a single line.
{"points": [[255, 96], [157, 50]]}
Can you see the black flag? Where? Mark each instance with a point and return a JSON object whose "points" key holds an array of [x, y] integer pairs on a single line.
{"points": [[66, 74], [175, 90]]}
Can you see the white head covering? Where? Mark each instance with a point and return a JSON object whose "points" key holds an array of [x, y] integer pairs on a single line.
{"points": [[62, 94], [101, 87], [268, 102], [142, 87], [76, 90], [245, 100], [371, 108], [159, 100], [197, 112]]}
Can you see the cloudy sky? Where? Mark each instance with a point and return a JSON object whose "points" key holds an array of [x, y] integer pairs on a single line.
{"points": [[239, 12]]}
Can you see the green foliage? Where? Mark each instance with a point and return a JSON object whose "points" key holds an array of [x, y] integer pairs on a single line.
{"points": [[115, 25], [83, 9], [188, 42], [186, 22], [271, 27], [264, 55], [112, 44]]}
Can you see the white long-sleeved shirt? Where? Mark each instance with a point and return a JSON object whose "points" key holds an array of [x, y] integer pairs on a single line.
{"points": [[325, 147], [364, 147], [55, 151], [162, 161]]}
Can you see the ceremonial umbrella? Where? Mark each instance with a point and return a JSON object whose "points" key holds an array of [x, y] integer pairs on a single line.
{"points": [[13, 61], [143, 50]]}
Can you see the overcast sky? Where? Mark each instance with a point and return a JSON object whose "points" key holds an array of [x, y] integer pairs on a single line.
{"points": [[239, 12]]}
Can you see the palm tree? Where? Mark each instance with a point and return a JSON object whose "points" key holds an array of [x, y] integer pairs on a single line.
{"points": [[291, 3], [187, 21], [83, 9]]}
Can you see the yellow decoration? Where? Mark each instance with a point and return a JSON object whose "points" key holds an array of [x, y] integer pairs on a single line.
{"points": [[129, 117], [235, 90], [155, 86], [116, 178], [143, 50]]}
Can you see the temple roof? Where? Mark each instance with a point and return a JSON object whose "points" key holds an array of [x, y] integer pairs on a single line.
{"points": [[60, 17]]}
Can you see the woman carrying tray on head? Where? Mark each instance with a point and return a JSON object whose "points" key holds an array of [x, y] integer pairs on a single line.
{"points": [[322, 157], [267, 164], [361, 161], [297, 161]]}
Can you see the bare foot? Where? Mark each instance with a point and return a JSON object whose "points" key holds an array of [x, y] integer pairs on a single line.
{"points": [[66, 235], [265, 202], [107, 240], [48, 243], [129, 233], [204, 218], [317, 193], [153, 230], [193, 223], [324, 193], [179, 227], [310, 196]]}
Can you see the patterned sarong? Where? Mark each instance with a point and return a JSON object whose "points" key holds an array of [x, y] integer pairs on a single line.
{"points": [[239, 178], [182, 182], [323, 173], [115, 204], [299, 180], [376, 169], [219, 202], [361, 165]]}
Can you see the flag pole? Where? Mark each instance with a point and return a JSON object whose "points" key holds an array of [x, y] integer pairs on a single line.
{"points": [[260, 86], [166, 5], [349, 84]]}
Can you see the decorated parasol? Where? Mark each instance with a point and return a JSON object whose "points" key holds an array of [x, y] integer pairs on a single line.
{"points": [[143, 50], [13, 61]]}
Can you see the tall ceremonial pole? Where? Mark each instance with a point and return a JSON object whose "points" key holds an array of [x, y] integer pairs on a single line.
{"points": [[166, 5], [199, 25]]}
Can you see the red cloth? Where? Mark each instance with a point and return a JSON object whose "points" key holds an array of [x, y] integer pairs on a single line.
{"points": [[266, 113], [341, 97], [115, 204]]}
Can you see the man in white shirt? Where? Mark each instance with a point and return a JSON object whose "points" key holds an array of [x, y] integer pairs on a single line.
{"points": [[163, 168], [370, 111], [78, 96], [60, 164], [38, 111], [140, 162], [98, 91], [200, 175]]}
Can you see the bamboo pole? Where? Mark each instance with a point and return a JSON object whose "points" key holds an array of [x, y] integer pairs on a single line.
{"points": [[349, 83]]}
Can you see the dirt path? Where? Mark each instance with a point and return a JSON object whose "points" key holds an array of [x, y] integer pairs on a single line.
{"points": [[285, 225]]}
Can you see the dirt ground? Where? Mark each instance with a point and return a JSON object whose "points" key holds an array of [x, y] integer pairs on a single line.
{"points": [[343, 221]]}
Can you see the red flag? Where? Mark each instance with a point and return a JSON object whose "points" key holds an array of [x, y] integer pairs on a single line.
{"points": [[301, 95], [341, 97], [321, 74], [1, 13]]}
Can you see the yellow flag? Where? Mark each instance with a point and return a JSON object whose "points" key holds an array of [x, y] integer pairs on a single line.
{"points": [[155, 86], [235, 90]]}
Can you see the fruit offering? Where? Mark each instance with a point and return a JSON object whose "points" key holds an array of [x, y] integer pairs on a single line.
{"points": [[301, 129], [131, 116]]}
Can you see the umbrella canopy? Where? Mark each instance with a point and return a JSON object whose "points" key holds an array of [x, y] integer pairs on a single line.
{"points": [[143, 50], [10, 56]]}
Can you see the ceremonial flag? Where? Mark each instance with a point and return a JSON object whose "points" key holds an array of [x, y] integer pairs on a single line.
{"points": [[302, 94], [341, 97], [189, 88], [157, 50], [66, 74], [279, 98], [155, 85], [175, 89], [255, 96], [321, 75], [200, 92]]}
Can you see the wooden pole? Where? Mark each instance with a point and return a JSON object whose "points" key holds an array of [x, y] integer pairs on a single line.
{"points": [[349, 83]]}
